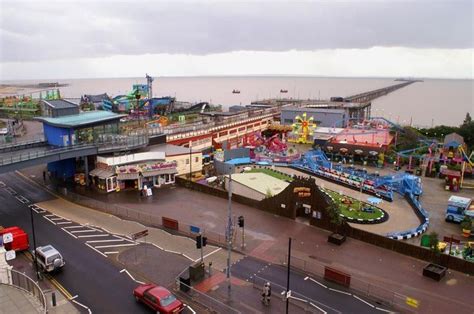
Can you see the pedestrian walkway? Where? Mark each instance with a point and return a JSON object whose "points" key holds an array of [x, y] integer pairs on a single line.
{"points": [[15, 300]]}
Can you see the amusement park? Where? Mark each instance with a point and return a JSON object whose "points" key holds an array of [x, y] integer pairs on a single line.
{"points": [[323, 164]]}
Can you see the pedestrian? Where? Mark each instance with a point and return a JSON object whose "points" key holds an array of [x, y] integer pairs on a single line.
{"points": [[266, 293], [44, 176]]}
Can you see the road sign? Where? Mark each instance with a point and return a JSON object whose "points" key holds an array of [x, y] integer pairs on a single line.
{"points": [[139, 235], [288, 294], [412, 302], [195, 229], [9, 255], [7, 237]]}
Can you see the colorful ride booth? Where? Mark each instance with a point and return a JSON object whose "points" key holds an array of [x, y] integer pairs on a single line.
{"points": [[98, 130]]}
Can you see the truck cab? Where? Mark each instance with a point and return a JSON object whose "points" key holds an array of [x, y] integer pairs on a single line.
{"points": [[458, 208], [20, 239]]}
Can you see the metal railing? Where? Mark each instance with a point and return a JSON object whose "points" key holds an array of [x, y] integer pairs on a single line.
{"points": [[26, 284], [21, 142]]}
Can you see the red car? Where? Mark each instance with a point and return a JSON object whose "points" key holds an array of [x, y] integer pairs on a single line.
{"points": [[158, 298]]}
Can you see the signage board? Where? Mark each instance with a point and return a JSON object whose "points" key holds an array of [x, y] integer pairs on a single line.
{"points": [[195, 229], [9, 255], [7, 237], [139, 235]]}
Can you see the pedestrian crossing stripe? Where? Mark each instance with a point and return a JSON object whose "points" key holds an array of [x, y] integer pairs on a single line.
{"points": [[412, 302]]}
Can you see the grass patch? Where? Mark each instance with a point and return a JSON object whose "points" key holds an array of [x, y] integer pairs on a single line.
{"points": [[354, 213], [275, 174]]}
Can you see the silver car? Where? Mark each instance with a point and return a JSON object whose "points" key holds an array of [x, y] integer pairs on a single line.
{"points": [[48, 258]]}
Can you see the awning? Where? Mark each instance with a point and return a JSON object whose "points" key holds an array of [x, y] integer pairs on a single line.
{"points": [[101, 173], [127, 176], [158, 172]]}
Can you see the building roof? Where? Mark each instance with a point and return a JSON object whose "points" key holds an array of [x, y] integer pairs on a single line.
{"points": [[260, 182], [59, 103], [171, 150], [96, 98], [82, 119], [312, 110]]}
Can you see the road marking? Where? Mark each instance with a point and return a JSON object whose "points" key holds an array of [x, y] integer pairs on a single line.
{"points": [[126, 271], [80, 304], [64, 222], [50, 215], [64, 229], [96, 250], [185, 305], [363, 301], [49, 220], [343, 292], [323, 311], [111, 252], [315, 281], [82, 231], [74, 297], [58, 218], [96, 241], [298, 299], [73, 227], [209, 254], [383, 310], [2, 184], [59, 287], [93, 235], [116, 245]]}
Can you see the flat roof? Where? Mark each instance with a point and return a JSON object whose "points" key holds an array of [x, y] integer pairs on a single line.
{"points": [[171, 150], [59, 103], [81, 119], [260, 182]]}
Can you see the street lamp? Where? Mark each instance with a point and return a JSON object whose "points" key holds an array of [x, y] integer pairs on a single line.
{"points": [[34, 243]]}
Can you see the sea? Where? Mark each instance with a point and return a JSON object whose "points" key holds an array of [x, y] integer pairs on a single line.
{"points": [[422, 104]]}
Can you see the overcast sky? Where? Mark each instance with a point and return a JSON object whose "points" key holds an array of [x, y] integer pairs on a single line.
{"points": [[68, 39]]}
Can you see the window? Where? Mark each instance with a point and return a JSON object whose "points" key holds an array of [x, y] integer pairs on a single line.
{"points": [[187, 161], [197, 159], [167, 300], [149, 297], [288, 121]]}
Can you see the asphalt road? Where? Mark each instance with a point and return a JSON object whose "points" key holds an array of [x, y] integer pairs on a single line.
{"points": [[303, 288], [97, 282]]}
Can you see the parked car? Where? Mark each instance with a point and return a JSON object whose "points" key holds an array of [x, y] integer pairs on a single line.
{"points": [[20, 239], [158, 298], [49, 259]]}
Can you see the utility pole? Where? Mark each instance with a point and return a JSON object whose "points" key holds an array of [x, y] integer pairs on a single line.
{"points": [[202, 258], [288, 277], [190, 162], [34, 243], [229, 231]]}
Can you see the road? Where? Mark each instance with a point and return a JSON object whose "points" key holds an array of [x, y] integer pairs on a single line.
{"points": [[305, 290], [97, 282]]}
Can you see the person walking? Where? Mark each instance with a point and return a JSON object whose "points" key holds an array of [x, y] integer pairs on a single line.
{"points": [[266, 293]]}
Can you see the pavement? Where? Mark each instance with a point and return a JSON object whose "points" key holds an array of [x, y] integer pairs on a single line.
{"points": [[372, 268], [15, 300]]}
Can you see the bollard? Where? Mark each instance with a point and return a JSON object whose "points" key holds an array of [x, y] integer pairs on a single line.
{"points": [[53, 298]]}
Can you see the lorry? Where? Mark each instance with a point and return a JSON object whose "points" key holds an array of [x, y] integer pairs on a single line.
{"points": [[458, 208], [20, 239]]}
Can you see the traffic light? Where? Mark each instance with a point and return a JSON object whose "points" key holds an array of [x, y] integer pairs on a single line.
{"points": [[204, 241], [241, 221], [198, 241]]}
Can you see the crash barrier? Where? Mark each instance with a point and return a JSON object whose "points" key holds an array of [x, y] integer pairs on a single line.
{"points": [[422, 215], [25, 283], [337, 276]]}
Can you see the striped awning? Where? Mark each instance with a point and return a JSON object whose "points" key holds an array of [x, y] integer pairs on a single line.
{"points": [[101, 173]]}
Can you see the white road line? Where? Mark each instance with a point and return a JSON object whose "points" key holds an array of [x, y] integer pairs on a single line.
{"points": [[298, 299], [64, 222], [383, 310], [64, 229], [209, 254], [323, 311], [315, 281], [93, 235], [194, 312], [112, 252], [58, 218], [50, 215], [49, 220], [96, 241], [116, 245], [124, 238], [35, 210], [82, 231], [74, 297], [96, 250], [80, 304], [126, 271], [73, 227], [363, 301], [343, 292]]}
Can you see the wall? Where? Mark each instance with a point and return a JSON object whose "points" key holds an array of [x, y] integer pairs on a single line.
{"points": [[54, 135], [63, 168], [241, 189], [182, 163]]}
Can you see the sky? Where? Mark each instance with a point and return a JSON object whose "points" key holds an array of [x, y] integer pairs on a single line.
{"points": [[376, 38]]}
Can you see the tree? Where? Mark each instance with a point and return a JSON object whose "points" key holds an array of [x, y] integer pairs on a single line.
{"points": [[269, 193], [468, 119]]}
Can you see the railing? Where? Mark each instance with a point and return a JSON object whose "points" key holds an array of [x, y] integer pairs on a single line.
{"points": [[16, 142], [25, 283]]}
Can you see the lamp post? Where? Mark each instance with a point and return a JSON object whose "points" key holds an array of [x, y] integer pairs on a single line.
{"points": [[229, 231], [34, 243], [190, 162]]}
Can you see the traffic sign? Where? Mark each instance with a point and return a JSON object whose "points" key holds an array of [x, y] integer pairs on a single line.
{"points": [[288, 294], [195, 229], [412, 302], [7, 237], [139, 235], [9, 255]]}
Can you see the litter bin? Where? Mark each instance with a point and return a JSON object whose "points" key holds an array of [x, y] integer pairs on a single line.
{"points": [[184, 284]]}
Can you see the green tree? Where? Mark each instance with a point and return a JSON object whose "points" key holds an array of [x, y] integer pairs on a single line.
{"points": [[433, 242]]}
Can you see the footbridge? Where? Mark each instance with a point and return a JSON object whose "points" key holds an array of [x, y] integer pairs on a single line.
{"points": [[28, 154], [371, 95]]}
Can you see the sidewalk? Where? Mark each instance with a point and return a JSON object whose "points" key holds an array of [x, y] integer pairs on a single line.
{"points": [[267, 235], [15, 300]]}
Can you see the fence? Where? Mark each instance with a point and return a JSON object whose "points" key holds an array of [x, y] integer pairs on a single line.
{"points": [[25, 283]]}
